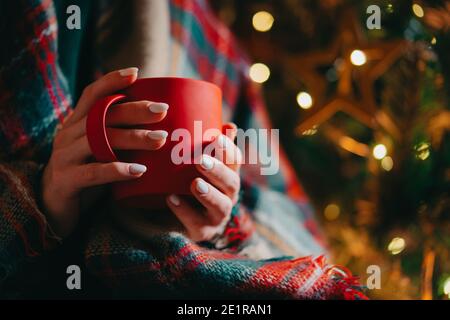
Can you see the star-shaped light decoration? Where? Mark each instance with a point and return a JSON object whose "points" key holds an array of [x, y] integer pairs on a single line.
{"points": [[357, 64]]}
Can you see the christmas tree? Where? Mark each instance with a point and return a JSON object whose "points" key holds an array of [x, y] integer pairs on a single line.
{"points": [[360, 92]]}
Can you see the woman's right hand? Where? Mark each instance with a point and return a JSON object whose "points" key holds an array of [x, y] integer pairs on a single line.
{"points": [[69, 170]]}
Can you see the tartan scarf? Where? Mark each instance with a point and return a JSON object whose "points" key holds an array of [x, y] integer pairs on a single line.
{"points": [[34, 99]]}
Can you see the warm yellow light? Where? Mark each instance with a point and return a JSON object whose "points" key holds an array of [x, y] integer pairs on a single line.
{"points": [[259, 72], [447, 287], [390, 8], [387, 163], [433, 41], [423, 150], [262, 21], [379, 151], [396, 245], [358, 58], [304, 100], [418, 10], [332, 212], [310, 132]]}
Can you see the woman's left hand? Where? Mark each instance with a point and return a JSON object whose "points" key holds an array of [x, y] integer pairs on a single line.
{"points": [[218, 196]]}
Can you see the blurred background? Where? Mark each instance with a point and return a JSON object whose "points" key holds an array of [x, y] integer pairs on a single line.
{"points": [[364, 116]]}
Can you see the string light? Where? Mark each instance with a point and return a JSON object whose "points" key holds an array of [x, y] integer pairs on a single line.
{"points": [[396, 245], [390, 8], [418, 10], [310, 132], [379, 151], [446, 287], [332, 212], [263, 21], [259, 72], [304, 100], [358, 58], [422, 150], [387, 163]]}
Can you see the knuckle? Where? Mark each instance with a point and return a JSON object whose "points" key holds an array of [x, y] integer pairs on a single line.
{"points": [[116, 167], [89, 90], [89, 174], [135, 134], [58, 156], [204, 235], [234, 184], [226, 208], [58, 139]]}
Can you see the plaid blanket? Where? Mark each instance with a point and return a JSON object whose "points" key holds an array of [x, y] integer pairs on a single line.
{"points": [[273, 220]]}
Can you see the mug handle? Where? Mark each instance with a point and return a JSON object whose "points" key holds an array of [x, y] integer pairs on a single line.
{"points": [[96, 129]]}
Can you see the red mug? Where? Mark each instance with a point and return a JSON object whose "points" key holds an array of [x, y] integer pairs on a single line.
{"points": [[189, 101]]}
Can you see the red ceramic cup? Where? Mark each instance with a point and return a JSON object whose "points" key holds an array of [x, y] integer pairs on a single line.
{"points": [[189, 101]]}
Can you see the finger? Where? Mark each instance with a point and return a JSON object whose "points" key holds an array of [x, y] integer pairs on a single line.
{"points": [[188, 216], [136, 139], [70, 133], [217, 204], [135, 113], [106, 85], [125, 139], [226, 151], [76, 152], [94, 174], [221, 176]]}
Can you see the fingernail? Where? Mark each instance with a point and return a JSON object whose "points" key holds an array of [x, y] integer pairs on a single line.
{"points": [[202, 187], [158, 134], [207, 163], [174, 200], [158, 107], [128, 72], [137, 169]]}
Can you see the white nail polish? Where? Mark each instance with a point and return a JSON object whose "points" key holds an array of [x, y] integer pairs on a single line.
{"points": [[207, 162], [158, 134], [128, 72], [202, 187], [222, 141], [174, 200], [158, 107], [137, 169]]}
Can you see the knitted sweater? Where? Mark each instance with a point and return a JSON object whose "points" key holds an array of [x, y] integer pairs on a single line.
{"points": [[274, 217]]}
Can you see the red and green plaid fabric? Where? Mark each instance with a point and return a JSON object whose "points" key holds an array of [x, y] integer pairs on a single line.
{"points": [[34, 99]]}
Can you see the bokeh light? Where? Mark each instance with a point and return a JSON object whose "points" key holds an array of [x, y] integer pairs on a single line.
{"points": [[396, 245], [304, 100], [418, 10], [379, 151], [332, 212], [259, 72], [387, 163], [358, 57], [422, 150], [263, 21]]}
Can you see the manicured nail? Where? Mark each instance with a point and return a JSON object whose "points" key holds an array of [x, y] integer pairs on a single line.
{"points": [[128, 72], [174, 200], [202, 187], [158, 107], [137, 169], [158, 134], [207, 162], [222, 141]]}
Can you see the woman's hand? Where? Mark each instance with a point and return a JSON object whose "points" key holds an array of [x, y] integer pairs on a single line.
{"points": [[218, 196], [68, 171]]}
